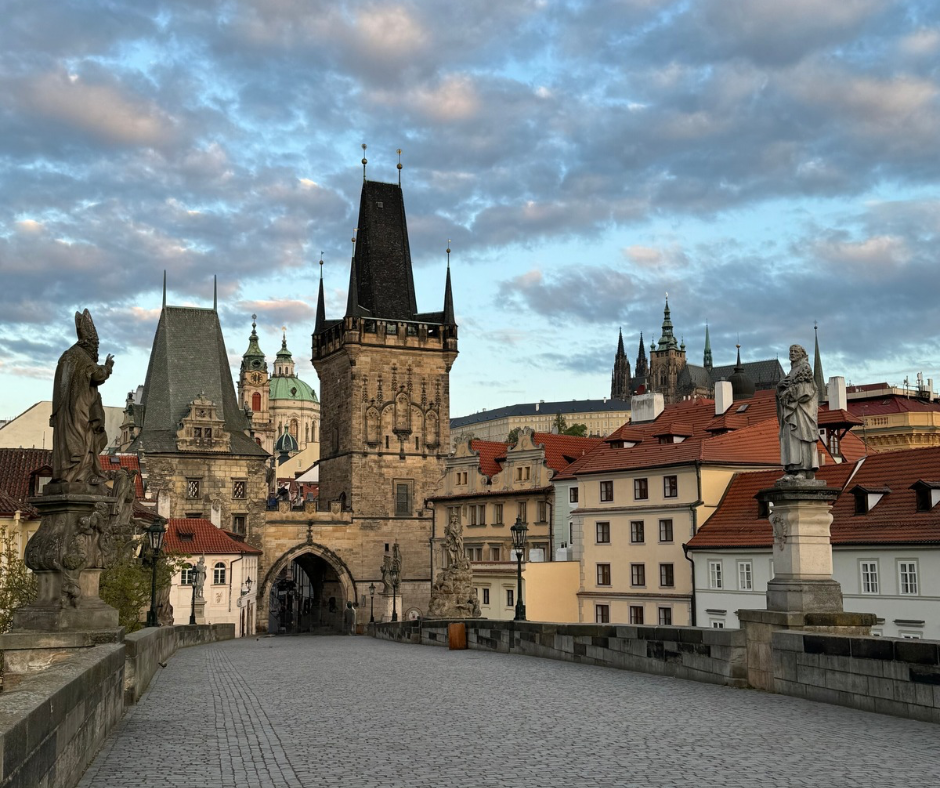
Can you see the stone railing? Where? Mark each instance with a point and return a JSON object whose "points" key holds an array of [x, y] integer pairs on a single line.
{"points": [[716, 656], [886, 675]]}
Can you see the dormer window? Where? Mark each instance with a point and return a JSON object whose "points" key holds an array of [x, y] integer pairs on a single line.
{"points": [[928, 494], [867, 498]]}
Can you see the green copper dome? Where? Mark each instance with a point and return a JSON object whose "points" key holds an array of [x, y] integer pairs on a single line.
{"points": [[286, 443], [291, 388]]}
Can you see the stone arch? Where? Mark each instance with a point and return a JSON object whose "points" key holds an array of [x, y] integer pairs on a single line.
{"points": [[304, 552]]}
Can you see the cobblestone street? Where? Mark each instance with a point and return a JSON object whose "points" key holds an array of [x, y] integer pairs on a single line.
{"points": [[338, 711]]}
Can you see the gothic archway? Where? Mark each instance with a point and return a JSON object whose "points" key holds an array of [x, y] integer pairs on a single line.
{"points": [[306, 591]]}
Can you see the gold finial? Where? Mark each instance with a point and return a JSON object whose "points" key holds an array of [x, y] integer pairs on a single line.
{"points": [[254, 323], [365, 161], [399, 168]]}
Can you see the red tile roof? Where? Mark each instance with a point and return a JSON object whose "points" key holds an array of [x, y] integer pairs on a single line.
{"points": [[562, 450], [893, 520], [9, 506], [490, 453], [16, 465], [881, 406], [191, 536], [128, 461]]}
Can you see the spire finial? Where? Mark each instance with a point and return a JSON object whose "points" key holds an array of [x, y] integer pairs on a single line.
{"points": [[164, 287], [215, 293], [365, 161], [399, 175], [254, 323], [321, 265], [448, 249], [353, 239]]}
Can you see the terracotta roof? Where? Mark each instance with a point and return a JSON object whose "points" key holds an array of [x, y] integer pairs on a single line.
{"points": [[129, 461], [495, 493], [16, 465], [191, 536], [9, 506], [881, 406], [835, 417], [490, 452], [562, 450], [893, 520]]}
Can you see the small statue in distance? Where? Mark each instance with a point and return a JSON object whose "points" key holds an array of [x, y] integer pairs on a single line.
{"points": [[797, 414], [77, 413], [199, 576]]}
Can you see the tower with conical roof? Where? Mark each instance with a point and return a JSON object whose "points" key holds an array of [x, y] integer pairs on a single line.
{"points": [[667, 360], [642, 367], [620, 377], [707, 361], [818, 375], [384, 372], [253, 389]]}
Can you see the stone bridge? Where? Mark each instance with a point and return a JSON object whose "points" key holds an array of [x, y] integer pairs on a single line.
{"points": [[300, 712]]}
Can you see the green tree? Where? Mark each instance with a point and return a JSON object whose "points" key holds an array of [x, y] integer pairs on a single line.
{"points": [[513, 437], [560, 427], [18, 585], [578, 430]]}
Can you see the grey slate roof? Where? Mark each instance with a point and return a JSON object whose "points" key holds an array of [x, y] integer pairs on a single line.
{"points": [[384, 280], [764, 374], [188, 359], [542, 408]]}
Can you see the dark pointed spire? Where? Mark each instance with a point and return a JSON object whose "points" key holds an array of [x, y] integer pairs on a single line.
{"points": [[668, 340], [321, 305], [707, 360], [164, 287], [620, 350], [742, 387], [449, 319], [253, 358], [620, 378], [818, 369], [215, 293], [641, 369], [352, 300]]}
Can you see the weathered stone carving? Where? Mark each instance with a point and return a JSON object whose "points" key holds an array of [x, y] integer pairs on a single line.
{"points": [[797, 411], [387, 575], [199, 577], [77, 413], [781, 526], [452, 593]]}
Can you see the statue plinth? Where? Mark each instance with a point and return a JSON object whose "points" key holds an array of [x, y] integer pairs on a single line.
{"points": [[199, 608], [802, 553]]}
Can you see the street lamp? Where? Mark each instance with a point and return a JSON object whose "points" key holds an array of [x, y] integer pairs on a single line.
{"points": [[518, 542], [246, 587], [155, 532], [395, 580], [371, 603], [192, 609]]}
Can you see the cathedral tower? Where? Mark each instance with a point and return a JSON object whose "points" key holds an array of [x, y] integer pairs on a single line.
{"points": [[620, 377], [667, 360]]}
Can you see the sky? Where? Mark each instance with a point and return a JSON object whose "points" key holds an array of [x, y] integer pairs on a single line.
{"points": [[767, 163]]}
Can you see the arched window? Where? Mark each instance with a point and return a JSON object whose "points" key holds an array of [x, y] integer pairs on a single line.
{"points": [[307, 433], [294, 428], [218, 574], [313, 432], [186, 575], [256, 401]]}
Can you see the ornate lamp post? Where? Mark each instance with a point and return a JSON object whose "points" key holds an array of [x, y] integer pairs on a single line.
{"points": [[518, 542], [396, 579], [155, 533], [371, 603], [192, 610]]}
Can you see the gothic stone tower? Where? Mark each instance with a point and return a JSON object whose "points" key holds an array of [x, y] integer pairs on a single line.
{"points": [[620, 377], [667, 359], [384, 391]]}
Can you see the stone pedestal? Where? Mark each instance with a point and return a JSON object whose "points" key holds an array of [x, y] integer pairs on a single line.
{"points": [[200, 608], [453, 594], [802, 551]]}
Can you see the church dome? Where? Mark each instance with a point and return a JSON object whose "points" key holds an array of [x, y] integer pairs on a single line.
{"points": [[742, 387], [291, 388], [286, 443]]}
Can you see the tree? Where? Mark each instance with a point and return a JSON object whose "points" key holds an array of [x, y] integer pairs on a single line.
{"points": [[560, 427], [513, 437], [18, 585], [578, 430]]}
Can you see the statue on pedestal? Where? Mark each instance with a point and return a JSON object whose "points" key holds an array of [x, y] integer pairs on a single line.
{"points": [[77, 413], [199, 577], [797, 413], [452, 593]]}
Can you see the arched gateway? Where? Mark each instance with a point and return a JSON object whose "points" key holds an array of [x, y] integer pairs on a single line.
{"points": [[307, 589]]}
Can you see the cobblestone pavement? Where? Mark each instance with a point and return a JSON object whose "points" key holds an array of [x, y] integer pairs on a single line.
{"points": [[341, 711]]}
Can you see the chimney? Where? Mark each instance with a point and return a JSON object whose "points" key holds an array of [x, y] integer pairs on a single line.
{"points": [[647, 407], [215, 515], [723, 396], [837, 398]]}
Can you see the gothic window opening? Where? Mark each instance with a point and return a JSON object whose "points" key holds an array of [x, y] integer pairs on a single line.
{"points": [[192, 488]]}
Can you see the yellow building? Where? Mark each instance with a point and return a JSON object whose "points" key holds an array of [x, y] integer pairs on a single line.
{"points": [[895, 418]]}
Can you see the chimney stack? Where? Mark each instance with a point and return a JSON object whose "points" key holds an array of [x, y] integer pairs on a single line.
{"points": [[837, 398], [724, 396]]}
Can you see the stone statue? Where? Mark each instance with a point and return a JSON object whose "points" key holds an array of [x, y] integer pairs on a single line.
{"points": [[387, 575], [349, 620], [199, 576], [452, 593], [797, 410], [453, 543], [77, 413]]}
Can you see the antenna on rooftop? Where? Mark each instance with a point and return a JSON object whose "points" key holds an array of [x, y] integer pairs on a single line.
{"points": [[365, 161]]}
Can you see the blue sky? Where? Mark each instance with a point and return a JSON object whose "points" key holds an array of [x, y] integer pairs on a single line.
{"points": [[769, 164]]}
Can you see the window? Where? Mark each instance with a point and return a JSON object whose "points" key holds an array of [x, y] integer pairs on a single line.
{"points": [[528, 472], [542, 511], [402, 499], [495, 554], [667, 577], [256, 401], [498, 513], [186, 575], [636, 614], [477, 514], [573, 495], [238, 523], [509, 598], [522, 512], [869, 570], [239, 488], [519, 474], [665, 616], [641, 489], [486, 596], [601, 614], [715, 575], [717, 623], [670, 486], [218, 574], [637, 532], [602, 531], [197, 432], [603, 574], [607, 491], [638, 574], [208, 432], [745, 576], [475, 553], [665, 530], [192, 488], [907, 578]]}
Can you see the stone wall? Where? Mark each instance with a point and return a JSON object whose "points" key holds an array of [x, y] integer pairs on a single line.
{"points": [[885, 675], [147, 648], [715, 656], [52, 723]]}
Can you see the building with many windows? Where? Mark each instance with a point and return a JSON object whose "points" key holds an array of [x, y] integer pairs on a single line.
{"points": [[488, 486], [885, 544]]}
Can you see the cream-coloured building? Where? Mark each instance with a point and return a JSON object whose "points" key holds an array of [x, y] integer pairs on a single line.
{"points": [[895, 418], [31, 430], [489, 486], [600, 416], [231, 574]]}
